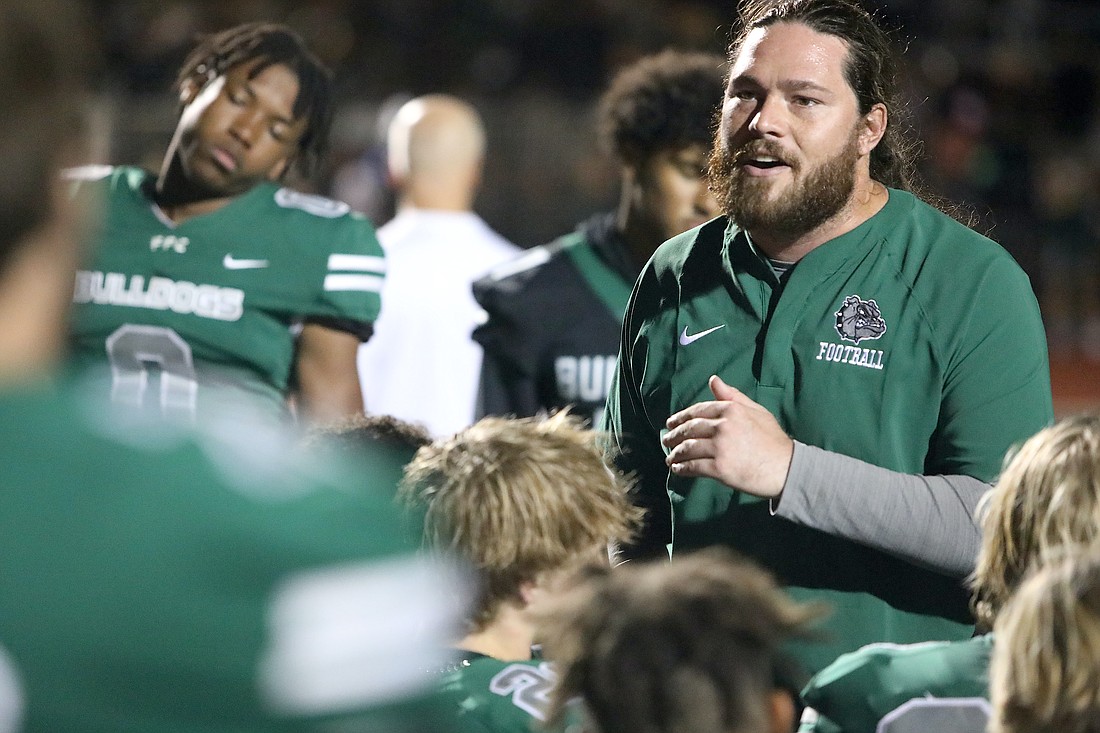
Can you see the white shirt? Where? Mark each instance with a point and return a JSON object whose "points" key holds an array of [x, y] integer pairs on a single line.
{"points": [[421, 364]]}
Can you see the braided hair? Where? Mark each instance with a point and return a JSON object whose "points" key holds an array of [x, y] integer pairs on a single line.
{"points": [[272, 44]]}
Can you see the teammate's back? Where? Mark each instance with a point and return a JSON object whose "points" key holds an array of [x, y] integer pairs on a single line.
{"points": [[195, 582]]}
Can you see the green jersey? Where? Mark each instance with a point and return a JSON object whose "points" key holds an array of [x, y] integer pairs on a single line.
{"points": [[911, 343], [151, 580], [212, 304], [860, 690], [491, 696]]}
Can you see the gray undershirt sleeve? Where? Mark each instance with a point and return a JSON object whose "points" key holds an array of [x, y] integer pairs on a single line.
{"points": [[926, 520]]}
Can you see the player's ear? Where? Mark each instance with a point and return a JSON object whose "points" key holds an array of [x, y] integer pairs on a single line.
{"points": [[527, 591], [873, 127]]}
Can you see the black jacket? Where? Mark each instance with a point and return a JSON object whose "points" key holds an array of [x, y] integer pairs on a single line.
{"points": [[554, 321]]}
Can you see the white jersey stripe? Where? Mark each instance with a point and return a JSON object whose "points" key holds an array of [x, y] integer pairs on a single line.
{"points": [[368, 283], [347, 637], [357, 263]]}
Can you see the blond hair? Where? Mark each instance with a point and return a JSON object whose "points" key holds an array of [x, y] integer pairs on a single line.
{"points": [[1046, 500], [692, 645], [1045, 671], [517, 498]]}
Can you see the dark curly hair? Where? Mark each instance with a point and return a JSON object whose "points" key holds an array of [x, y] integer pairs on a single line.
{"points": [[667, 100], [273, 44]]}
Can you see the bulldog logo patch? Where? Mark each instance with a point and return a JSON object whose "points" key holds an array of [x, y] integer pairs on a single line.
{"points": [[859, 319]]}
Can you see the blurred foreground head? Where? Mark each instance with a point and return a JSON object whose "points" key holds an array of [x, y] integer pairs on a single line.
{"points": [[41, 92], [1046, 503], [1045, 673], [693, 645], [42, 99]]}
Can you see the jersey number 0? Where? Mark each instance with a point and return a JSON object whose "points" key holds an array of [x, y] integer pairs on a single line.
{"points": [[134, 351]]}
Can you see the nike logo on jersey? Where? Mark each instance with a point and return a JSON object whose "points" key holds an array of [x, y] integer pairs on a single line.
{"points": [[232, 263], [685, 339]]}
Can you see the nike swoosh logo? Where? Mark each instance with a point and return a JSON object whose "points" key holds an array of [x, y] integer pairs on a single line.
{"points": [[232, 263], [685, 339]]}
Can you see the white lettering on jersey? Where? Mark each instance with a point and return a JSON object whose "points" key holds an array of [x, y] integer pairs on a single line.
{"points": [[161, 293], [342, 638], [131, 348], [528, 686], [11, 696], [161, 242], [584, 378], [853, 355], [317, 205]]}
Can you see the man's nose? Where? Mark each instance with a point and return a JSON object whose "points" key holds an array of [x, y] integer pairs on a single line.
{"points": [[769, 117], [247, 126]]}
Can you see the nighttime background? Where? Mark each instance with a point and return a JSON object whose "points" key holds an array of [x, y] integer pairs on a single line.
{"points": [[1003, 94]]}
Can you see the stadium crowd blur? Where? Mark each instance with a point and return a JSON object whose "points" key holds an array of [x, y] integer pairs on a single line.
{"points": [[1002, 92]]}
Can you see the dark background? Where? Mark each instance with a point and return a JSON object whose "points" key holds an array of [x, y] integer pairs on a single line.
{"points": [[1003, 94]]}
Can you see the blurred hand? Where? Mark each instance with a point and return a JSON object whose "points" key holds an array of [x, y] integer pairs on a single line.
{"points": [[731, 439]]}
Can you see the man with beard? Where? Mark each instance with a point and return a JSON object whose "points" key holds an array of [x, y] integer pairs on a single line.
{"points": [[827, 378]]}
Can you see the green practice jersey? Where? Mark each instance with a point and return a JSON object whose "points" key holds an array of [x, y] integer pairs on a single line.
{"points": [[152, 580], [859, 690], [911, 343], [211, 304], [491, 696]]}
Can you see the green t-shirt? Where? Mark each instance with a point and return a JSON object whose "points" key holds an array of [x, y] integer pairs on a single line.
{"points": [[879, 682], [911, 343], [212, 304], [487, 695], [156, 580]]}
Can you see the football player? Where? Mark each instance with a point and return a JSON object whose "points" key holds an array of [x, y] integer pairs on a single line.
{"points": [[158, 579], [554, 315], [210, 273]]}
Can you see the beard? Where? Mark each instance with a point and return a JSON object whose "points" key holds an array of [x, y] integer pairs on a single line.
{"points": [[809, 202]]}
